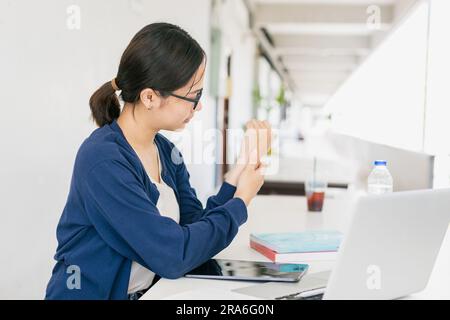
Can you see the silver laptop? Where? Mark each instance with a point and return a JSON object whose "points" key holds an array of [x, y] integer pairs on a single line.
{"points": [[388, 251]]}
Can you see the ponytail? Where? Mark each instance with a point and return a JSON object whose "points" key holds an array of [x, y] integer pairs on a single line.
{"points": [[105, 106]]}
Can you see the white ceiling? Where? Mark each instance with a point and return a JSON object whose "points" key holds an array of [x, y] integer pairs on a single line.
{"points": [[320, 42]]}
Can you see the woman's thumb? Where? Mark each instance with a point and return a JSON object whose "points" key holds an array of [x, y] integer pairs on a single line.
{"points": [[262, 169], [253, 161]]}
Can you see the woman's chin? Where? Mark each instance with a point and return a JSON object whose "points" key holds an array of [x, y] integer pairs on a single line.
{"points": [[181, 127]]}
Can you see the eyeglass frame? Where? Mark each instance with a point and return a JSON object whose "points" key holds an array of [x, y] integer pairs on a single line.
{"points": [[195, 101]]}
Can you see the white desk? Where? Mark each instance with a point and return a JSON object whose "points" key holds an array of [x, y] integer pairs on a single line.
{"points": [[288, 213]]}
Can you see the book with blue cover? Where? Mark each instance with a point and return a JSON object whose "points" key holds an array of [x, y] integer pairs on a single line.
{"points": [[297, 246]]}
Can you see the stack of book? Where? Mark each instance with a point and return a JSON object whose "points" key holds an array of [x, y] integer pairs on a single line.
{"points": [[296, 247]]}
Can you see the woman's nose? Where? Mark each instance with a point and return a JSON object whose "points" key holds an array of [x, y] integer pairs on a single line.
{"points": [[199, 106]]}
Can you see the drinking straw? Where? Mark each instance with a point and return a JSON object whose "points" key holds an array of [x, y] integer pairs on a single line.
{"points": [[314, 171]]}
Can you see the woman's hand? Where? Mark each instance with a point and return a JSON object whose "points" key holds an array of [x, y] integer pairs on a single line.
{"points": [[250, 181], [258, 138]]}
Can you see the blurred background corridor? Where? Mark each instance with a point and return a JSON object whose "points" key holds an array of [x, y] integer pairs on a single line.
{"points": [[343, 82]]}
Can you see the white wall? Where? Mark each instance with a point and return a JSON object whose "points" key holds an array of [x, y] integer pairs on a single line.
{"points": [[48, 73], [437, 130], [383, 100]]}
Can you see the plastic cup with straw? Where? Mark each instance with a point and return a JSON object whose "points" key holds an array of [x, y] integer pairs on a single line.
{"points": [[315, 190]]}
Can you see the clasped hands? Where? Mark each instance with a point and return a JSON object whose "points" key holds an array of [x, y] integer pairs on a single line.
{"points": [[247, 174]]}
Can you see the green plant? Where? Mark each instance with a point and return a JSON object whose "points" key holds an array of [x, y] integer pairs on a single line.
{"points": [[257, 98], [281, 97]]}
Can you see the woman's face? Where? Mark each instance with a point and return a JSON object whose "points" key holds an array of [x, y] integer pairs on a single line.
{"points": [[175, 113]]}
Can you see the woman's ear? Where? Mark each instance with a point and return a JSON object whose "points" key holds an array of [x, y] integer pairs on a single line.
{"points": [[150, 99]]}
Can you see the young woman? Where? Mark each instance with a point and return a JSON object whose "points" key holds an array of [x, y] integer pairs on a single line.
{"points": [[131, 215]]}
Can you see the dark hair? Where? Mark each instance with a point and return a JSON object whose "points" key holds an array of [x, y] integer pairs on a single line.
{"points": [[160, 56]]}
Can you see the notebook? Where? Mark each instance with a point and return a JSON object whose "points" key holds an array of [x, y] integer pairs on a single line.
{"points": [[297, 246]]}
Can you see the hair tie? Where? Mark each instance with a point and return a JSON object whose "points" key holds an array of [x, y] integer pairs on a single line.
{"points": [[114, 85]]}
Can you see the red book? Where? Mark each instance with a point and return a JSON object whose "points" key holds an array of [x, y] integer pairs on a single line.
{"points": [[295, 257]]}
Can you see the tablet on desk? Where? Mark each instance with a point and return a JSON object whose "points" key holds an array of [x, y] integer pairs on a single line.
{"points": [[249, 270]]}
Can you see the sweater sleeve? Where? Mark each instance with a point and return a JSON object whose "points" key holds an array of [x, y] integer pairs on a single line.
{"points": [[126, 219], [191, 209]]}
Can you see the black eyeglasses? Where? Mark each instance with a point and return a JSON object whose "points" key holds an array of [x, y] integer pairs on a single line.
{"points": [[194, 100]]}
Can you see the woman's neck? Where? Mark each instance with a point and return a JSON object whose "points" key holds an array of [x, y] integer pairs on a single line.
{"points": [[138, 134]]}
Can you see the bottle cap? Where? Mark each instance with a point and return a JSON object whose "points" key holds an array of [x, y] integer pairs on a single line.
{"points": [[380, 162]]}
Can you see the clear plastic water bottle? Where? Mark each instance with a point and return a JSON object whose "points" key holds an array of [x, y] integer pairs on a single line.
{"points": [[380, 180]]}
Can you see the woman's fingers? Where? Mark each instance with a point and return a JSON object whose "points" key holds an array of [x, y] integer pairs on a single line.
{"points": [[253, 160], [257, 127], [264, 134], [258, 136], [262, 168], [251, 124]]}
